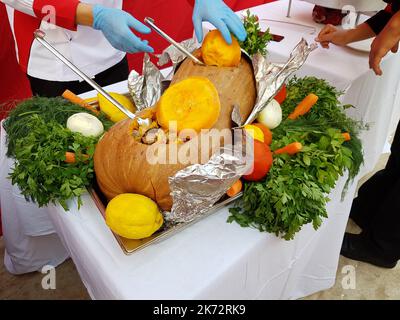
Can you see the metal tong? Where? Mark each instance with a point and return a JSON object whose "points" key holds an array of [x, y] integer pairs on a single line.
{"points": [[40, 36], [150, 22]]}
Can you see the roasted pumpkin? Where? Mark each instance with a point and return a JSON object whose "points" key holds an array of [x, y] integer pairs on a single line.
{"points": [[216, 52], [121, 161], [192, 103]]}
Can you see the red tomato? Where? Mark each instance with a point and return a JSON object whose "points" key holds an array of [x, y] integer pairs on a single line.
{"points": [[281, 95], [262, 162], [266, 131]]}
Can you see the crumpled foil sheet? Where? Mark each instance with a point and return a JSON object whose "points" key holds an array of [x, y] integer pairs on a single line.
{"points": [[174, 55], [145, 89], [197, 188], [271, 76]]}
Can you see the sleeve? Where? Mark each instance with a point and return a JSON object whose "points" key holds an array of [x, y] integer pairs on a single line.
{"points": [[25, 6], [64, 10], [379, 21]]}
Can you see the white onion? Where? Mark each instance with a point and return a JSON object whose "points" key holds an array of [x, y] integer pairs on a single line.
{"points": [[271, 115], [86, 124]]}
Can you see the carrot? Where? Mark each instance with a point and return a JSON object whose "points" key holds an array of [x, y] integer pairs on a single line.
{"points": [[291, 149], [304, 106], [72, 97], [70, 157], [235, 188], [346, 136]]}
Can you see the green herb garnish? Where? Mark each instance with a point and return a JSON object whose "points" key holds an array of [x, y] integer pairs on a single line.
{"points": [[295, 191], [40, 169], [257, 40]]}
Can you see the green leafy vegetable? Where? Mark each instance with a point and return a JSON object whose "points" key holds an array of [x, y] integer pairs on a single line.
{"points": [[295, 191], [49, 109], [40, 169], [257, 40]]}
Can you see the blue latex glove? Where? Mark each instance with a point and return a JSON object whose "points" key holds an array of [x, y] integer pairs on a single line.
{"points": [[116, 26], [221, 16]]}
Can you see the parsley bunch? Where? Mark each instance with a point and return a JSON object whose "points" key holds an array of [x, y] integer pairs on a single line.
{"points": [[40, 170], [257, 40], [295, 191], [49, 109]]}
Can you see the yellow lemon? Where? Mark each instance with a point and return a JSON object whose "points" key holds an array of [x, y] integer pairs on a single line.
{"points": [[90, 100], [112, 111], [255, 132], [133, 216]]}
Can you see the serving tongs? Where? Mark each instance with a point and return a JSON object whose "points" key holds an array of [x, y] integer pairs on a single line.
{"points": [[150, 22], [40, 37]]}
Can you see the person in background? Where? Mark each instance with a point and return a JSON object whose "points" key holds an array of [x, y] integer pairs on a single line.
{"points": [[377, 207], [95, 35]]}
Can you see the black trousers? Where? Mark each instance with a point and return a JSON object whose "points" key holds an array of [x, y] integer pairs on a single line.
{"points": [[45, 88], [377, 208]]}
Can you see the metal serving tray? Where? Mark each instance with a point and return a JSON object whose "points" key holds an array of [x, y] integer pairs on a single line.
{"points": [[130, 246]]}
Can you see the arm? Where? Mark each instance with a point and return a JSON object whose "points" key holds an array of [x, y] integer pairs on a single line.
{"points": [[63, 11], [115, 24], [369, 29], [330, 34], [387, 40]]}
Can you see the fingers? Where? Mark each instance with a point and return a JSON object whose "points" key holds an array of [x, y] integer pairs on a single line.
{"points": [[395, 48], [375, 58], [235, 25], [325, 35], [135, 44], [198, 27], [221, 26], [137, 25]]}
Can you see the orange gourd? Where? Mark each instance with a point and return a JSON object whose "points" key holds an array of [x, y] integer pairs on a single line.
{"points": [[216, 52]]}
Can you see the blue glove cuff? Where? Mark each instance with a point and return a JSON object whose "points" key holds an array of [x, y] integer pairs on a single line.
{"points": [[97, 13]]}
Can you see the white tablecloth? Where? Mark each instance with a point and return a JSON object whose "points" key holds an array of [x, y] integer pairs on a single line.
{"points": [[216, 260], [359, 5]]}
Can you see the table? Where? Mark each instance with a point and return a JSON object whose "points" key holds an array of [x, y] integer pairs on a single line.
{"points": [[358, 5], [216, 260]]}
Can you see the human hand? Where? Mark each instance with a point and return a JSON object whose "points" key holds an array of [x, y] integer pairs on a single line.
{"points": [[387, 40], [221, 16], [116, 26], [331, 34]]}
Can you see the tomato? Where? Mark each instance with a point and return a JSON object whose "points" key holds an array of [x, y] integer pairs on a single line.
{"points": [[262, 162], [281, 95], [266, 131]]}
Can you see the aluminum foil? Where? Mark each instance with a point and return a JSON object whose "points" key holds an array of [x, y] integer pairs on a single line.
{"points": [[145, 89], [197, 188], [271, 76], [172, 54]]}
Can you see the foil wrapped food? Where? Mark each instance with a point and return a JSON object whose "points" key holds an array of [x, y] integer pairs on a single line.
{"points": [[271, 76], [145, 89], [198, 187]]}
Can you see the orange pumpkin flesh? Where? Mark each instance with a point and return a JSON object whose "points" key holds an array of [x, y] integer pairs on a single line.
{"points": [[120, 160], [216, 52], [192, 103]]}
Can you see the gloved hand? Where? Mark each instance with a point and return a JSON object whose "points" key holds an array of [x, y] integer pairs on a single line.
{"points": [[221, 16], [116, 26]]}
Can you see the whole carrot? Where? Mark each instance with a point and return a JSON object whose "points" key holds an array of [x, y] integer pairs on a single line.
{"points": [[291, 149], [304, 106], [235, 188], [346, 136], [72, 97], [70, 157]]}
